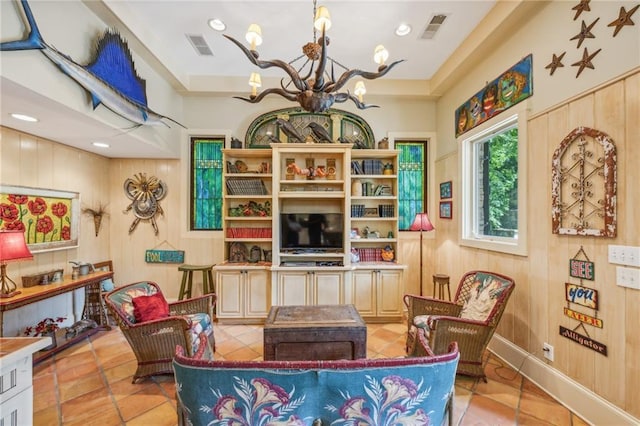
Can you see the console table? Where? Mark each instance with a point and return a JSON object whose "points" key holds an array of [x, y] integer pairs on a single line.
{"points": [[94, 307]]}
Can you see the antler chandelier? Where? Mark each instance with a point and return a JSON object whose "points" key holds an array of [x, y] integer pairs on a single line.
{"points": [[315, 90]]}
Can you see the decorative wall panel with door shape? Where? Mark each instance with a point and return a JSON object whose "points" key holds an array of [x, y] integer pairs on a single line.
{"points": [[583, 193]]}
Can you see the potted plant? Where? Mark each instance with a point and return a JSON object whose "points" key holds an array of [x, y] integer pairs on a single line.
{"points": [[46, 327]]}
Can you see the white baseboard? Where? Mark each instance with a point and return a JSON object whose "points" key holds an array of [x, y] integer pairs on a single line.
{"points": [[588, 405]]}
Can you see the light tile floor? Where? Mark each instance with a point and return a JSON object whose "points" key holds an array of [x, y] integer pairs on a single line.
{"points": [[90, 384]]}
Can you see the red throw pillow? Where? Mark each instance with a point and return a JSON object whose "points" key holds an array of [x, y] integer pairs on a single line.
{"points": [[147, 308]]}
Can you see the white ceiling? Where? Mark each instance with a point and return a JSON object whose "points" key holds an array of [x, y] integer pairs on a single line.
{"points": [[160, 28]]}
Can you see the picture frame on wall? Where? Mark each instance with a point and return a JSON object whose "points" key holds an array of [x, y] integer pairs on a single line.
{"points": [[49, 218], [445, 190], [446, 210]]}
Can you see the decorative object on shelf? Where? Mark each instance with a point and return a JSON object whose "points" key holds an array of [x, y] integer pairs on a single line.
{"points": [[320, 133], [79, 326], [310, 162], [290, 172], [97, 215], [556, 62], [331, 168], [265, 129], [421, 223], [445, 190], [255, 254], [510, 88], [446, 208], [315, 91], [40, 278], [267, 255], [383, 143], [13, 248], [236, 143], [110, 78], [145, 195], [241, 166], [293, 136], [237, 253], [251, 208], [355, 255], [388, 254], [584, 186], [624, 18], [48, 218], [387, 169]]}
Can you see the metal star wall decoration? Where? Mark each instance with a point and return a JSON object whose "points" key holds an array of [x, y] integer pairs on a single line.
{"points": [[585, 32], [556, 62], [624, 18], [585, 62], [583, 6]]}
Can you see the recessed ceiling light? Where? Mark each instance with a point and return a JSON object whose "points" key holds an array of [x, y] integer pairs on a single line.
{"points": [[217, 24], [24, 117], [403, 29], [100, 144]]}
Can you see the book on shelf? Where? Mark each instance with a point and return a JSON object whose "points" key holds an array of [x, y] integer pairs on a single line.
{"points": [[246, 187]]}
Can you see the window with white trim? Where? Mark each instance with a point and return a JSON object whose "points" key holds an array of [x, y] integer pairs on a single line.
{"points": [[493, 187]]}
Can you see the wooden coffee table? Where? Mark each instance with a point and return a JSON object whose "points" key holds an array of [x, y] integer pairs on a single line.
{"points": [[314, 332]]}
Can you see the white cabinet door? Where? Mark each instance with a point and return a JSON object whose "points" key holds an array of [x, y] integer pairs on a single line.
{"points": [[328, 287], [389, 293], [229, 294], [258, 299], [293, 288], [364, 292]]}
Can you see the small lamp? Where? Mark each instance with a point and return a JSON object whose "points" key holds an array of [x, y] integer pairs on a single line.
{"points": [[255, 81], [421, 223], [380, 55], [360, 90], [322, 19], [254, 36], [13, 248]]}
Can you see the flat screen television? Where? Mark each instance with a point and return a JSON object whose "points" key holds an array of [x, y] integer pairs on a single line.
{"points": [[316, 231]]}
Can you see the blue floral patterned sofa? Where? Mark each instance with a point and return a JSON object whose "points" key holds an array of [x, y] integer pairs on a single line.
{"points": [[393, 391]]}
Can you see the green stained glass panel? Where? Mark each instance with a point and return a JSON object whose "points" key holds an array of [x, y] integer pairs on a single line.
{"points": [[411, 178], [206, 195]]}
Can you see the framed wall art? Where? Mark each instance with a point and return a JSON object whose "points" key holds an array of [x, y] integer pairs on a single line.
{"points": [[445, 190], [49, 218], [446, 208]]}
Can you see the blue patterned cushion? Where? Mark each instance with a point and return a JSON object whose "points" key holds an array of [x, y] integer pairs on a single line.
{"points": [[122, 299], [372, 392], [200, 323]]}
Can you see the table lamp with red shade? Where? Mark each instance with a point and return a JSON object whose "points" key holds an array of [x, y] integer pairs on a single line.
{"points": [[13, 248], [421, 223]]}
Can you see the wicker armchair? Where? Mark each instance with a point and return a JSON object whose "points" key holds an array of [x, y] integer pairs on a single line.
{"points": [[470, 320], [154, 342]]}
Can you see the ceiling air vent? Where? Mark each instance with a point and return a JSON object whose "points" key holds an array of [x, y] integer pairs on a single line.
{"points": [[433, 26], [200, 44]]}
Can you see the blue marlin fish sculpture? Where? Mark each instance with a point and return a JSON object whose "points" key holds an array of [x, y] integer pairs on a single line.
{"points": [[111, 78]]}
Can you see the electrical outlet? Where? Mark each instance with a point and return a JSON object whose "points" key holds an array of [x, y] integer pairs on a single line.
{"points": [[547, 350]]}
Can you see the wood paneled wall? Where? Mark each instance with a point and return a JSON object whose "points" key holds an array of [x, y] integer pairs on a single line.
{"points": [[535, 311]]}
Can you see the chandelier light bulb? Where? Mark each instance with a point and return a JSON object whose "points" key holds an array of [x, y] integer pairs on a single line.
{"points": [[360, 90], [254, 36], [255, 81], [380, 55], [322, 19]]}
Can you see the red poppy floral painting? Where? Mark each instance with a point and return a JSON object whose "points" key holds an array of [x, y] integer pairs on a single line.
{"points": [[48, 218]]}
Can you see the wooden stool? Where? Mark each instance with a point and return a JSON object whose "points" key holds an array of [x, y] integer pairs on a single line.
{"points": [[187, 279], [441, 280]]}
